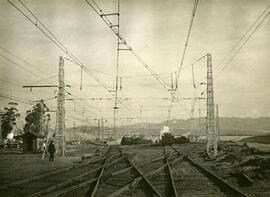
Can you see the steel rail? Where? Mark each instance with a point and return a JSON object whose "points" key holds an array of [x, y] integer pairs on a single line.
{"points": [[69, 181], [171, 179], [173, 191], [76, 178], [216, 178], [144, 178], [92, 192], [62, 184], [63, 191], [33, 178], [83, 184], [105, 165], [136, 181]]}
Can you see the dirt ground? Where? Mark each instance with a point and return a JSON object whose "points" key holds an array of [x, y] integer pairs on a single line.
{"points": [[16, 165], [244, 165], [232, 159]]}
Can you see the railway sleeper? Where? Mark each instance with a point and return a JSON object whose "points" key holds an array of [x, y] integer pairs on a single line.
{"points": [[224, 186]]}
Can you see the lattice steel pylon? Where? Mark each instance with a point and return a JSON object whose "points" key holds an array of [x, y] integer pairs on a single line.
{"points": [[210, 118], [115, 111], [60, 113]]}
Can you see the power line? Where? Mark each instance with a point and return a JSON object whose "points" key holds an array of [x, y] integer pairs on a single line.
{"points": [[244, 40], [22, 60], [176, 91], [7, 82], [113, 28], [49, 77], [12, 97], [107, 21], [193, 63], [19, 65], [188, 35], [26, 63], [14, 83], [98, 71], [56, 41], [183, 55], [122, 41], [145, 75], [28, 102]]}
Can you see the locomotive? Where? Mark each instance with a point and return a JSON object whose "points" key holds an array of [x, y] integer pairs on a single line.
{"points": [[167, 139]]}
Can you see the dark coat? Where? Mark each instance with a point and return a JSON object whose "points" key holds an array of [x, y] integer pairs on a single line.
{"points": [[51, 148]]}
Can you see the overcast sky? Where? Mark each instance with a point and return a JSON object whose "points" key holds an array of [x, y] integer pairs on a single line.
{"points": [[156, 30]]}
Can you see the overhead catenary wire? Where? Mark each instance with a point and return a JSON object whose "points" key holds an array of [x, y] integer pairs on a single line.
{"points": [[11, 83], [19, 65], [95, 70], [187, 38], [194, 62], [59, 44], [16, 99], [26, 68], [14, 84], [243, 40], [107, 21], [22, 60], [183, 55], [176, 91], [56, 41], [144, 75], [45, 79]]}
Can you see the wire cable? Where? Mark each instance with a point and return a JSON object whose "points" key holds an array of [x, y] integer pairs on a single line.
{"points": [[248, 34], [99, 12], [188, 35], [56, 41]]}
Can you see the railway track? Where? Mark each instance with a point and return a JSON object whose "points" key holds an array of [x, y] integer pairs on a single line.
{"points": [[155, 177], [116, 177], [192, 179], [163, 180], [92, 184], [178, 175], [42, 184], [169, 171]]}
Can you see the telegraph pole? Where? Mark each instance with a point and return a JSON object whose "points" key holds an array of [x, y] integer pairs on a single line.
{"points": [[60, 113], [210, 119]]}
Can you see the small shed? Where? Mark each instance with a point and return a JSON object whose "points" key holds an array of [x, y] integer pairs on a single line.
{"points": [[32, 142]]}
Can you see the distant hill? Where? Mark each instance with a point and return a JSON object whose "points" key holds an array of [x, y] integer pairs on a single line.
{"points": [[228, 126], [264, 139], [232, 126], [80, 132]]}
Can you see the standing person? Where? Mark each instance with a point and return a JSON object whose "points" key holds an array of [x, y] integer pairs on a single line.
{"points": [[51, 150], [43, 149], [44, 146]]}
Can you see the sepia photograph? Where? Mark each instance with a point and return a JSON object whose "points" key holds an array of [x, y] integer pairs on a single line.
{"points": [[134, 98]]}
